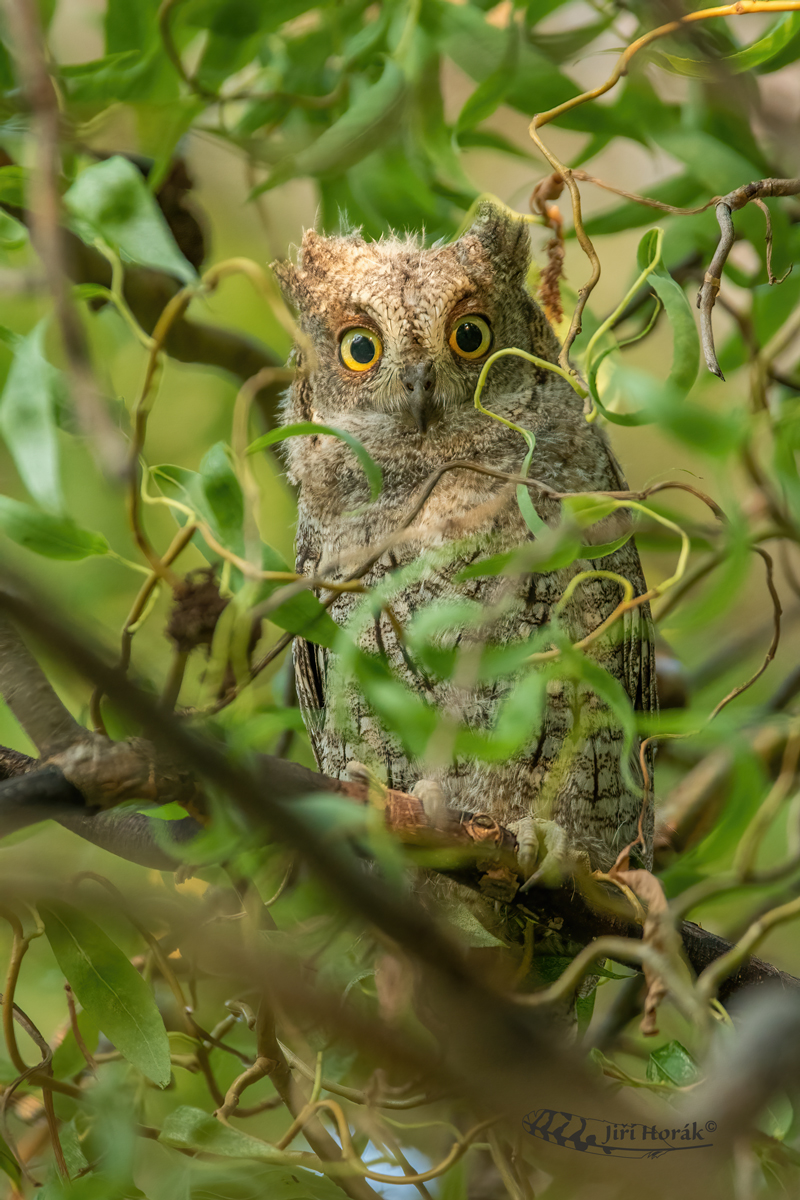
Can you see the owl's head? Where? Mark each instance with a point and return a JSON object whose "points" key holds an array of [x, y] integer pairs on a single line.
{"points": [[404, 331]]}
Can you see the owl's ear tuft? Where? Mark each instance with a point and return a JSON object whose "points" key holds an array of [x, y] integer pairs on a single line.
{"points": [[286, 274], [503, 236]]}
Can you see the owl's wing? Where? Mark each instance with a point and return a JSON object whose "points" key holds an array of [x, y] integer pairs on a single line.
{"points": [[310, 672], [638, 631]]}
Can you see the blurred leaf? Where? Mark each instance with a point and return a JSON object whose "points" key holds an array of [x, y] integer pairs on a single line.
{"points": [[470, 930], [584, 1010], [129, 75], [453, 1185], [371, 117], [54, 537], [13, 234], [587, 510], [129, 26], [777, 1119], [311, 429], [492, 90], [746, 789], [192, 1129], [110, 989], [518, 721], [13, 180], [784, 31], [672, 1064], [33, 390], [8, 1164], [719, 167], [111, 200], [71, 1146]]}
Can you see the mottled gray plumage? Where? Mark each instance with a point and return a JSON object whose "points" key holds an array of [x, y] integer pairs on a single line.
{"points": [[410, 297]]}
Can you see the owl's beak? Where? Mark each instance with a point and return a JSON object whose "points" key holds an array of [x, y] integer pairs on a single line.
{"points": [[419, 380]]}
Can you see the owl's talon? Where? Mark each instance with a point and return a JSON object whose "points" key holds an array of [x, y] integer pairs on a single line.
{"points": [[433, 799], [545, 855]]}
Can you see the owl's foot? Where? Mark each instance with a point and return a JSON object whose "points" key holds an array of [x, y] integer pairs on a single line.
{"points": [[357, 772], [433, 799], [545, 854]]}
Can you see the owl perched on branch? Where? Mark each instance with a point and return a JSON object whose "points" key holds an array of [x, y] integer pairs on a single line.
{"points": [[395, 337]]}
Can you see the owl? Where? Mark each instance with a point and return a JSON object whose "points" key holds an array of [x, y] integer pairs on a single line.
{"points": [[394, 337]]}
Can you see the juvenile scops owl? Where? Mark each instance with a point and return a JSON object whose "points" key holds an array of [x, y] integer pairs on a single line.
{"points": [[399, 336]]}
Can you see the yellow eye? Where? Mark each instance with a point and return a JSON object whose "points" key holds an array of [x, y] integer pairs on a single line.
{"points": [[360, 349], [471, 336]]}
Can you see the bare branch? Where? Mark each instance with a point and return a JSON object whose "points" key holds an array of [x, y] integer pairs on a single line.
{"points": [[727, 205]]}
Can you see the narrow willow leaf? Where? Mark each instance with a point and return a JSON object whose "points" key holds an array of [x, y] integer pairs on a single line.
{"points": [[311, 429], [111, 200], [33, 390], [110, 989], [685, 339], [529, 514], [54, 537]]}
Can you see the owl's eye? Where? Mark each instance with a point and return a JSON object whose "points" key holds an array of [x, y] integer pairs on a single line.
{"points": [[360, 349], [471, 336]]}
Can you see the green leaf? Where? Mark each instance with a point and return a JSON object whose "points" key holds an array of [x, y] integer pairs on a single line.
{"points": [[192, 1129], [8, 1164], [28, 405], [586, 510], [214, 494], [13, 180], [109, 989], [529, 514], [111, 200], [453, 1185], [54, 537], [672, 1064], [311, 429], [685, 339], [223, 494], [13, 234], [785, 29], [604, 549], [302, 614], [129, 26], [471, 932]]}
